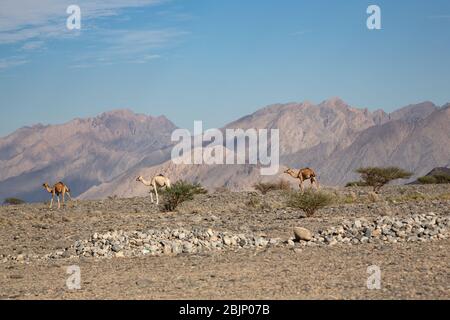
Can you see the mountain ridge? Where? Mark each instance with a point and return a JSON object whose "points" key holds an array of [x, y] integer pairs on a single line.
{"points": [[92, 154]]}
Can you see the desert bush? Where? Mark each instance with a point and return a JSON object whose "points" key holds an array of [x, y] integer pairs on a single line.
{"points": [[221, 190], [265, 187], [257, 203], [356, 184], [378, 177], [347, 199], [180, 192], [13, 201], [427, 180], [253, 202], [310, 201], [442, 178], [439, 178]]}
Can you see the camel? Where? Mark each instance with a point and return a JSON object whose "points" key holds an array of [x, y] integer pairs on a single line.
{"points": [[58, 189], [302, 175], [160, 181]]}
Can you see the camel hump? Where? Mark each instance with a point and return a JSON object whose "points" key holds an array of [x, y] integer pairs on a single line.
{"points": [[311, 172], [160, 175]]}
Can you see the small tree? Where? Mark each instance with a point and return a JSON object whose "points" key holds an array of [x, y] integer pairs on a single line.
{"points": [[13, 201], [180, 192], [378, 177], [310, 201]]}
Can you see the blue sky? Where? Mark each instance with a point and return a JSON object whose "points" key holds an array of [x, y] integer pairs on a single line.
{"points": [[216, 60]]}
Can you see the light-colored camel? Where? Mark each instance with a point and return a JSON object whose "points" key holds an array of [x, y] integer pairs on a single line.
{"points": [[159, 181], [57, 190], [302, 175]]}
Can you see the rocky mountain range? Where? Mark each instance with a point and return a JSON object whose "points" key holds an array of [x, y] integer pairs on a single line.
{"points": [[102, 156], [82, 152]]}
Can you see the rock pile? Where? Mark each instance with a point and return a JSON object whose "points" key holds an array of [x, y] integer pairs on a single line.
{"points": [[418, 227], [161, 242]]}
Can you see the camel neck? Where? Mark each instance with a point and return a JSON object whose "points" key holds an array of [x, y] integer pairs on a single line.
{"points": [[145, 182]]}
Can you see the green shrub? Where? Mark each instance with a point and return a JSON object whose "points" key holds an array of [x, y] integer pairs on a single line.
{"points": [[264, 188], [378, 177], [427, 180], [437, 178], [356, 184], [442, 178], [180, 192], [310, 201], [13, 201]]}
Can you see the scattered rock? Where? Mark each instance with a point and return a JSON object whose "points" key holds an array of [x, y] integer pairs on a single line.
{"points": [[121, 244], [302, 234], [419, 227], [120, 255]]}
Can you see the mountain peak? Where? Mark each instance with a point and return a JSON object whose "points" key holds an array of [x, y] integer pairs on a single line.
{"points": [[414, 112], [119, 113], [334, 102]]}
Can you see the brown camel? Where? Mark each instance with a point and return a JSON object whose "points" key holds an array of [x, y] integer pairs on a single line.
{"points": [[302, 175], [57, 190]]}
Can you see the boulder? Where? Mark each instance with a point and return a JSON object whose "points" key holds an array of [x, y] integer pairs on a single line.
{"points": [[302, 234]]}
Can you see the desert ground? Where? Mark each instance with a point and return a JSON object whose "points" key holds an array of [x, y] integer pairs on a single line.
{"points": [[37, 245]]}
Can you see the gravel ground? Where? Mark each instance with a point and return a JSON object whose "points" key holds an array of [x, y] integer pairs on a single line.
{"points": [[409, 270]]}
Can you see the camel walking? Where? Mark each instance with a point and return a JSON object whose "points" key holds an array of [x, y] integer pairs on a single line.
{"points": [[160, 181], [302, 175], [57, 190]]}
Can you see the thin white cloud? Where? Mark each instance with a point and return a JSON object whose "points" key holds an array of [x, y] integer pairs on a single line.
{"points": [[22, 20], [127, 46], [441, 16], [32, 45], [300, 33], [146, 59], [6, 63], [31, 23]]}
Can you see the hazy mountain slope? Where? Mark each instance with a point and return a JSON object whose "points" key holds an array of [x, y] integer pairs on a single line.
{"points": [[214, 176], [82, 152], [416, 146], [304, 126]]}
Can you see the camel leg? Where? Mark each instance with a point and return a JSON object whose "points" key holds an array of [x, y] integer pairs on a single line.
{"points": [[64, 199], [70, 197], [59, 203], [314, 183], [51, 202], [156, 193], [151, 195], [301, 186]]}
